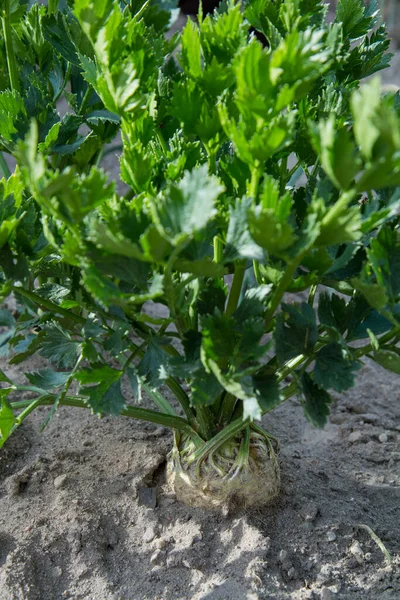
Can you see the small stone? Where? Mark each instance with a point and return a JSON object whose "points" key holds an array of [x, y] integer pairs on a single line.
{"points": [[383, 438], [326, 594], [60, 481], [149, 535], [324, 574], [159, 432], [283, 554], [197, 538], [174, 560], [355, 436], [370, 418], [160, 543], [309, 512], [339, 418], [292, 574], [359, 409], [335, 589], [58, 571], [168, 501], [357, 552], [331, 536], [157, 557]]}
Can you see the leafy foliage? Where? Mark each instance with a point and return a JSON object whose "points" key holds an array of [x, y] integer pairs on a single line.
{"points": [[210, 222]]}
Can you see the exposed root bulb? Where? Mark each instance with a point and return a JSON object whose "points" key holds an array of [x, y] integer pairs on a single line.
{"points": [[228, 477]]}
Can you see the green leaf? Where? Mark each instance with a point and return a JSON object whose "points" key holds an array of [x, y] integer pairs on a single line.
{"points": [[316, 402], [268, 221], [333, 312], [191, 52], [58, 346], [102, 387], [204, 388], [373, 292], [6, 318], [4, 378], [296, 331], [267, 391], [154, 366], [239, 242], [384, 257], [337, 152], [7, 418], [187, 207], [355, 20], [48, 379], [202, 267], [389, 359], [334, 369]]}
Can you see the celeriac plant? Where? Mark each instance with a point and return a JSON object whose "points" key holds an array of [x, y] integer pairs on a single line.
{"points": [[250, 173]]}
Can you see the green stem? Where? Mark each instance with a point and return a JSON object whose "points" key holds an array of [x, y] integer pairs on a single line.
{"points": [[4, 168], [48, 305], [11, 60], [282, 287], [133, 412], [227, 408], [206, 421], [234, 294], [312, 293], [387, 337], [218, 249], [212, 161], [53, 6], [141, 10], [284, 175], [85, 100], [229, 432], [162, 141], [182, 398], [257, 272], [254, 181]]}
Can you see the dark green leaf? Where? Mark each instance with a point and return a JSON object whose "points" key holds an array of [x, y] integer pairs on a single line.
{"points": [[334, 368], [316, 402], [102, 387], [48, 379], [58, 346], [296, 331]]}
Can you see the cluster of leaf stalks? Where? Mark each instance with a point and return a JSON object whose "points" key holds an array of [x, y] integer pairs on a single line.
{"points": [[247, 173]]}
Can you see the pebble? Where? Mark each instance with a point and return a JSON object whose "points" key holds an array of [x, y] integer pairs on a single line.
{"points": [[331, 536], [357, 552], [174, 560], [159, 432], [283, 554], [326, 594], [157, 557], [324, 574], [149, 534], [370, 418], [160, 543], [309, 512], [60, 481], [359, 409], [339, 418], [292, 573], [355, 436], [383, 438]]}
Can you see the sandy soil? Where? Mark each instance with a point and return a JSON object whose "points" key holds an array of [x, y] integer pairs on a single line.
{"points": [[72, 524]]}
